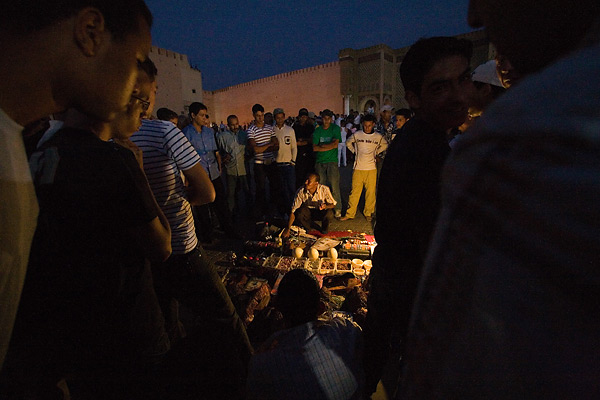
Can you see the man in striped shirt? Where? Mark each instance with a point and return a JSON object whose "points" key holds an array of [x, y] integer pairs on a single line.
{"points": [[262, 140], [187, 275]]}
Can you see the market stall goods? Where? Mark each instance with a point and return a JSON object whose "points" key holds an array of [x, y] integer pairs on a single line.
{"points": [[327, 266], [299, 263], [271, 261], [285, 263], [313, 265], [343, 265]]}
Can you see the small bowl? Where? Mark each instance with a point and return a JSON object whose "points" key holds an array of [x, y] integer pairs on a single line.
{"points": [[357, 263], [367, 265]]}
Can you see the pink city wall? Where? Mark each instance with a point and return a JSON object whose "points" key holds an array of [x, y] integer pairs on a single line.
{"points": [[315, 88]]}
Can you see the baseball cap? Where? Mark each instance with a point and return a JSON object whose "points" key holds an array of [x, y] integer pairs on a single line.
{"points": [[486, 73], [302, 111], [278, 111], [386, 108]]}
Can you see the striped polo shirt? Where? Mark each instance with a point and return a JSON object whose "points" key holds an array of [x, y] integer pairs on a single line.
{"points": [[262, 136], [167, 152]]}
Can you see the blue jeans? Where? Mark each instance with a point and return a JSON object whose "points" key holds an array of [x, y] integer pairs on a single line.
{"points": [[330, 175], [287, 176]]}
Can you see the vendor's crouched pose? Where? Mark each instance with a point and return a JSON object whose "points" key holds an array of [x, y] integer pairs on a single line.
{"points": [[313, 202]]}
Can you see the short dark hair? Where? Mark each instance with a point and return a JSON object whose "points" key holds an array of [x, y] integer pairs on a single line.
{"points": [[148, 67], [195, 107], [232, 116], [423, 55], [316, 175], [405, 112], [298, 297], [368, 117], [33, 15], [166, 114], [257, 107]]}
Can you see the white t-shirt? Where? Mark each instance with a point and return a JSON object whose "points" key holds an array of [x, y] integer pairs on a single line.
{"points": [[287, 144], [366, 146], [18, 219]]}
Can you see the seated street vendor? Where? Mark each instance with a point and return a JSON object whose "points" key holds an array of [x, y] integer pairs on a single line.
{"points": [[313, 202]]}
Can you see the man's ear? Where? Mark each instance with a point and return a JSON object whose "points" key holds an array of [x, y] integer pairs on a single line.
{"points": [[413, 100], [90, 30]]}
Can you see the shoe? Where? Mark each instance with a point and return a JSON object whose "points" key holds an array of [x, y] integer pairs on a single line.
{"points": [[345, 218], [368, 218], [338, 214]]}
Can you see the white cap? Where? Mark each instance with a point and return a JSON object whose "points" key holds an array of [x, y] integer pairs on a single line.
{"points": [[486, 73]]}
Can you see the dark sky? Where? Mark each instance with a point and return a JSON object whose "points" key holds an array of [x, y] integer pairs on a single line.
{"points": [[237, 41]]}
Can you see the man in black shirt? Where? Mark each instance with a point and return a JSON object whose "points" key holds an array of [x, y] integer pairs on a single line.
{"points": [[305, 162], [436, 78]]}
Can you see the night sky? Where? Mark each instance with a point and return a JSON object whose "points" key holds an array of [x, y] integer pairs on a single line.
{"points": [[238, 41]]}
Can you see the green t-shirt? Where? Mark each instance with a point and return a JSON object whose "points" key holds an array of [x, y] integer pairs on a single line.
{"points": [[325, 136]]}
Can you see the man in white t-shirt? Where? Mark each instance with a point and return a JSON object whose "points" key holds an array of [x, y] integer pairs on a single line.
{"points": [[365, 145], [286, 158], [93, 67]]}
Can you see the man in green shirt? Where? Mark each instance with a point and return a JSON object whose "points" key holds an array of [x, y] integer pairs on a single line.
{"points": [[325, 141]]}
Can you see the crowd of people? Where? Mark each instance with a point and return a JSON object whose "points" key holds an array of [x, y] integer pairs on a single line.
{"points": [[264, 165], [485, 278]]}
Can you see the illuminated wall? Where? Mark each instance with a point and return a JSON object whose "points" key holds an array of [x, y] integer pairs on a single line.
{"points": [[315, 88], [363, 77], [178, 83]]}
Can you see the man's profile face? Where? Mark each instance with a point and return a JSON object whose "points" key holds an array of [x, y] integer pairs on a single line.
{"points": [[506, 72], [326, 121], [400, 121], [128, 122], [233, 125], [152, 100], [443, 101], [368, 126], [108, 91]]}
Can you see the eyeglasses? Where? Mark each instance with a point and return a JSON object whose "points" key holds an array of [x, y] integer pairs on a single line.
{"points": [[145, 104]]}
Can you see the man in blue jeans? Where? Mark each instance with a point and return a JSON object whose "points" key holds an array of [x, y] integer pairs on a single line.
{"points": [[286, 158], [325, 144]]}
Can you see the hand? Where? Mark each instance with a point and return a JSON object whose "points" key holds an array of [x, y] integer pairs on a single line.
{"points": [[322, 206]]}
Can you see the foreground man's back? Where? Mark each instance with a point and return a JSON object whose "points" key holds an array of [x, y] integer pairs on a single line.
{"points": [[509, 301]]}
